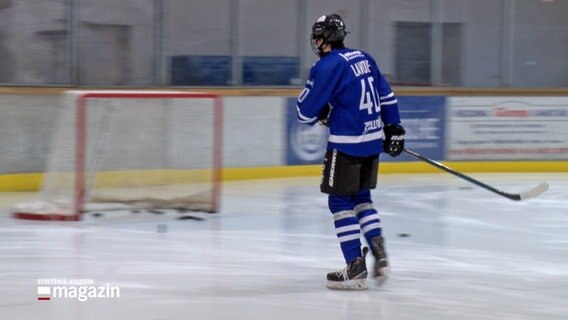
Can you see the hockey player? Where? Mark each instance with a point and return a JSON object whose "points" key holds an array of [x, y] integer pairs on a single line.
{"points": [[347, 92]]}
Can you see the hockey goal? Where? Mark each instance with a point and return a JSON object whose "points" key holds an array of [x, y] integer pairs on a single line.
{"points": [[131, 150]]}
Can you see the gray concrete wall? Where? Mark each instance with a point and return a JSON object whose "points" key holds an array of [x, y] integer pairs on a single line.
{"points": [[26, 125], [271, 27], [253, 131]]}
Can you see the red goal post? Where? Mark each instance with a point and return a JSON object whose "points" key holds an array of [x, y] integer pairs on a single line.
{"points": [[131, 150]]}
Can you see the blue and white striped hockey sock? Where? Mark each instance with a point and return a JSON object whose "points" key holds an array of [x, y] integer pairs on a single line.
{"points": [[346, 227], [368, 216]]}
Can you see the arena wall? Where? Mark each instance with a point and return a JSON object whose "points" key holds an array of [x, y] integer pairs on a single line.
{"points": [[258, 134]]}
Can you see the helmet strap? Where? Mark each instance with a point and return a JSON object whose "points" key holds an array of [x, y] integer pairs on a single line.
{"points": [[319, 49]]}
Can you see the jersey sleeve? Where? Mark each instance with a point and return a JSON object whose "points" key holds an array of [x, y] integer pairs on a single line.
{"points": [[317, 92], [389, 103], [387, 99]]}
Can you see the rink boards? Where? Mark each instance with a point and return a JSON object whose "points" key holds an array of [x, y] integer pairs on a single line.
{"points": [[262, 139]]}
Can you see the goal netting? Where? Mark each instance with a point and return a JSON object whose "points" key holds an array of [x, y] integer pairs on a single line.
{"points": [[131, 150]]}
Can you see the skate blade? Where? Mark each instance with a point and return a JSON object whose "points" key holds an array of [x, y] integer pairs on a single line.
{"points": [[384, 274], [360, 284]]}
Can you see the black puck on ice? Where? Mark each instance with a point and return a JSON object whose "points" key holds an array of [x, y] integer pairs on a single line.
{"points": [[97, 214], [404, 235], [187, 217]]}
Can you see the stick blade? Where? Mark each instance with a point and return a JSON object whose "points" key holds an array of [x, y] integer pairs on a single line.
{"points": [[534, 192]]}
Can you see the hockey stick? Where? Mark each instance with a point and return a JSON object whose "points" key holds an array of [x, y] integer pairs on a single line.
{"points": [[534, 192]]}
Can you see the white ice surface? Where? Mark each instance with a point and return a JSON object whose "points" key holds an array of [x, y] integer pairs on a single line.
{"points": [[470, 255]]}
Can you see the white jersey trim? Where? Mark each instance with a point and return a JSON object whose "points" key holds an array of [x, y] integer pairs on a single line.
{"points": [[303, 119], [390, 95], [356, 139], [385, 103]]}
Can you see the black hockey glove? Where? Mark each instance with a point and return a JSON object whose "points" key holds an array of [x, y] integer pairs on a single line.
{"points": [[394, 139], [323, 116]]}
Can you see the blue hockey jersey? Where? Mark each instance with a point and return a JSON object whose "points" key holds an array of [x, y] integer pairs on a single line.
{"points": [[360, 99]]}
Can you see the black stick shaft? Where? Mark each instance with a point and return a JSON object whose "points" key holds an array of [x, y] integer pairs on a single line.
{"points": [[461, 175]]}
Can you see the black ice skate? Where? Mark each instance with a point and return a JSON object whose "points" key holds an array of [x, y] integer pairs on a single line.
{"points": [[381, 269], [352, 277]]}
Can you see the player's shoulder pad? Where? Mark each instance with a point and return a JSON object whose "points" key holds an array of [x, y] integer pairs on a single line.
{"points": [[329, 63]]}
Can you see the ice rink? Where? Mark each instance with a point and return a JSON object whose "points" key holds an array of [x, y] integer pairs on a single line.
{"points": [[469, 254]]}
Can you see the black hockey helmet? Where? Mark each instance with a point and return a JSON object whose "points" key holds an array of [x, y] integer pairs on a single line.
{"points": [[329, 28]]}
